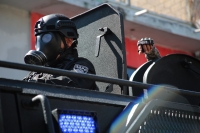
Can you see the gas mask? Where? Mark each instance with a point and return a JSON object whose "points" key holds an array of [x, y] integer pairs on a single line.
{"points": [[50, 30], [48, 47]]}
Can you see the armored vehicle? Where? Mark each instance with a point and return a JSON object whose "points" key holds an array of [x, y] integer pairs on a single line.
{"points": [[162, 96]]}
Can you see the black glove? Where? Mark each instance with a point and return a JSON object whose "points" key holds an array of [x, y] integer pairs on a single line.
{"points": [[145, 41]]}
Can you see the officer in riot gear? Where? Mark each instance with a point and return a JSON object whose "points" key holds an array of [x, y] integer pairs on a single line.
{"points": [[146, 46], [56, 42]]}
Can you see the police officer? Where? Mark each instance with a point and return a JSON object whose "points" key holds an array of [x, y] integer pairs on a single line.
{"points": [[146, 46], [56, 42]]}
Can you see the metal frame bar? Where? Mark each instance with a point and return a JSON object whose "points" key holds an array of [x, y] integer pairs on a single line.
{"points": [[35, 68], [64, 92], [46, 111]]}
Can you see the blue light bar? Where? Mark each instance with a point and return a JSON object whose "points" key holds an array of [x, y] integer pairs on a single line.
{"points": [[76, 121]]}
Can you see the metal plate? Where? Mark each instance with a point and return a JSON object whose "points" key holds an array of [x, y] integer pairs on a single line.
{"points": [[107, 54]]}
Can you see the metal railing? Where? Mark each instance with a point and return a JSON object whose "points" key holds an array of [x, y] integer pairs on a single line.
{"points": [[122, 82]]}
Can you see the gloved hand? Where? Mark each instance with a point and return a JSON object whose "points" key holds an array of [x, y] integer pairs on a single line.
{"points": [[145, 45]]}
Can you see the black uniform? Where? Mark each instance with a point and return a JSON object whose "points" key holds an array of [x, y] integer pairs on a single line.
{"points": [[71, 63]]}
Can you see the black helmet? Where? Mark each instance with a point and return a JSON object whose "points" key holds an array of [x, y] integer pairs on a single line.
{"points": [[56, 22]]}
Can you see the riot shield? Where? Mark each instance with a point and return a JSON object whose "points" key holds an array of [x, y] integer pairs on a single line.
{"points": [[101, 40]]}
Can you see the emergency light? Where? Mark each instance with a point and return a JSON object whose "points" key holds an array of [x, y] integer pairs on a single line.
{"points": [[75, 121]]}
